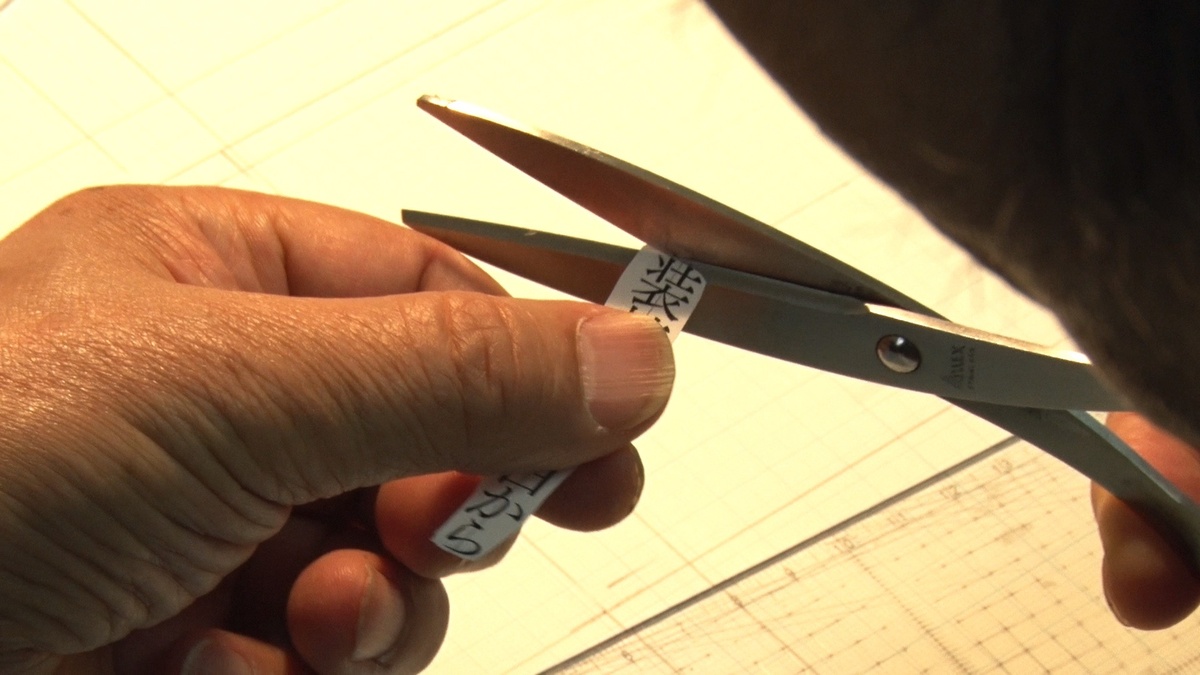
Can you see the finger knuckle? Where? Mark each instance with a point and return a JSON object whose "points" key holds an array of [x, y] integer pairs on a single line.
{"points": [[483, 355]]}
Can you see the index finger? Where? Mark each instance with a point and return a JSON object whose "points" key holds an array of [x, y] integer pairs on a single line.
{"points": [[248, 241], [318, 250], [1147, 583]]}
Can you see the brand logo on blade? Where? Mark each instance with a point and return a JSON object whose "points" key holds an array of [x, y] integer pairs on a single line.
{"points": [[962, 368]]}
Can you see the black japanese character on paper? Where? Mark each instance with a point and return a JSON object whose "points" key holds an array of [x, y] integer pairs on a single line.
{"points": [[666, 287], [498, 503], [531, 482], [461, 541]]}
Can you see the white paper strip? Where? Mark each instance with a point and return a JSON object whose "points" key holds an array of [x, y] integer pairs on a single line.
{"points": [[654, 283]]}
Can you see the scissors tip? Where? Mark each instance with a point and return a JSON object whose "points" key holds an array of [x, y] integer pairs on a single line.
{"points": [[477, 123], [429, 101]]}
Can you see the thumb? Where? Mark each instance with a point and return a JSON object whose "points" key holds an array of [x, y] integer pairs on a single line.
{"points": [[334, 394]]}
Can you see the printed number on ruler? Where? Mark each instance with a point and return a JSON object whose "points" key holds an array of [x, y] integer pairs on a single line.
{"points": [[654, 283]]}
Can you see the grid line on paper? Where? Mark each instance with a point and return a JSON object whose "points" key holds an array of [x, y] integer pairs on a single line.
{"points": [[166, 92], [690, 560], [362, 75], [799, 547], [842, 471], [978, 572], [272, 38], [225, 149], [349, 82], [88, 137]]}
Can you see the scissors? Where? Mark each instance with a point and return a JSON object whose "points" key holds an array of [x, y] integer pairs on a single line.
{"points": [[770, 293]]}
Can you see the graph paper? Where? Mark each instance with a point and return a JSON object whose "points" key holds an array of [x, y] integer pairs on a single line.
{"points": [[987, 567], [753, 458]]}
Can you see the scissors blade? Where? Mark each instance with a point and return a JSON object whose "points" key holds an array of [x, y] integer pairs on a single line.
{"points": [[665, 215], [1073, 437], [832, 332]]}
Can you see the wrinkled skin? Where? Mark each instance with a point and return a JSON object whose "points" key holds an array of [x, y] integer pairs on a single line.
{"points": [[228, 434], [1059, 143]]}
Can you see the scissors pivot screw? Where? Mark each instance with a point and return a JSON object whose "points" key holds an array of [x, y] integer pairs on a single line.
{"points": [[898, 353]]}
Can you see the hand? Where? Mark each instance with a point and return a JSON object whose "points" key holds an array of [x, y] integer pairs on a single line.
{"points": [[200, 388], [1148, 585]]}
